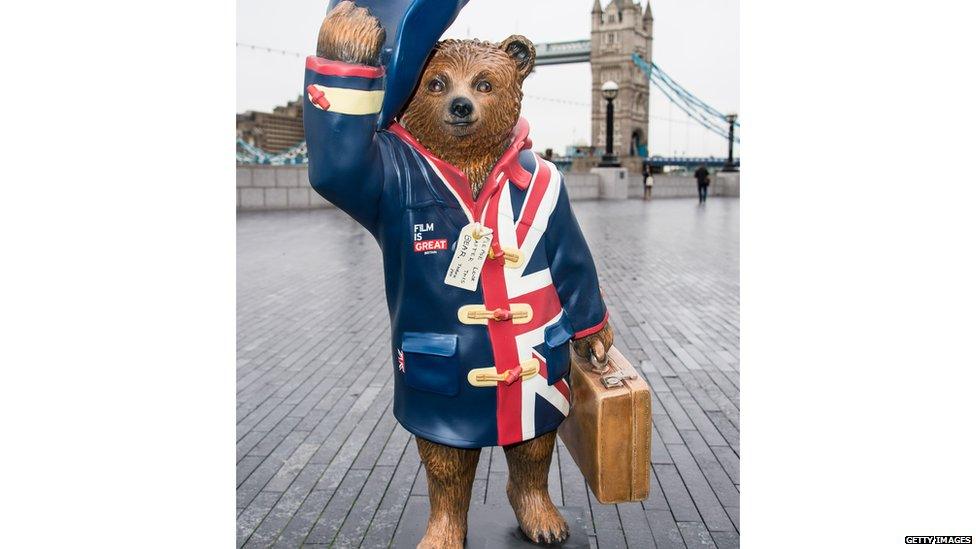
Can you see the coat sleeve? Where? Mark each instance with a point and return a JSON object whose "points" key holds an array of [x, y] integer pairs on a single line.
{"points": [[572, 269], [340, 112]]}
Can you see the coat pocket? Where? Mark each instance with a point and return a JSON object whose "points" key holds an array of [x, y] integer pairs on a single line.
{"points": [[557, 349], [429, 363]]}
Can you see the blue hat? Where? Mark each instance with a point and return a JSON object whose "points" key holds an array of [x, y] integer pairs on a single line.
{"points": [[413, 27]]}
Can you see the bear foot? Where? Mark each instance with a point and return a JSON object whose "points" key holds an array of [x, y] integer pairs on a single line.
{"points": [[443, 535], [538, 518]]}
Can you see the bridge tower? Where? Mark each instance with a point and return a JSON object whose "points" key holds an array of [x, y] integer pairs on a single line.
{"points": [[619, 30]]}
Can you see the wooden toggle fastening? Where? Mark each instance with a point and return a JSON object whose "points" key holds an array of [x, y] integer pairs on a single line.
{"points": [[496, 250], [513, 258], [317, 97], [517, 313], [490, 377]]}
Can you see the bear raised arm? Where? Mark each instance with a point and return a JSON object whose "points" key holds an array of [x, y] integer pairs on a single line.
{"points": [[344, 89]]}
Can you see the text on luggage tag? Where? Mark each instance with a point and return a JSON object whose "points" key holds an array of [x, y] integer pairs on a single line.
{"points": [[469, 258]]}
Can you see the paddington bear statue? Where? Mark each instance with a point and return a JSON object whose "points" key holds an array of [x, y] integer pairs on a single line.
{"points": [[489, 280]]}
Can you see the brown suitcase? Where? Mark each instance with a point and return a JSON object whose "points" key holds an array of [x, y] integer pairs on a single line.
{"points": [[608, 431]]}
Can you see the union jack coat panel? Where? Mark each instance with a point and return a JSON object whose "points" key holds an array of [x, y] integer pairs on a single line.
{"points": [[472, 368]]}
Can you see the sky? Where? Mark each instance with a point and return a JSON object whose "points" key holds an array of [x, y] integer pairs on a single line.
{"points": [[695, 41]]}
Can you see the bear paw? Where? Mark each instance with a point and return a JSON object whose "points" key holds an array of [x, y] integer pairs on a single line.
{"points": [[443, 535], [538, 518], [596, 344], [352, 35]]}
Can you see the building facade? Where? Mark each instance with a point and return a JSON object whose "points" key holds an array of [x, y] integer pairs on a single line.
{"points": [[275, 131]]}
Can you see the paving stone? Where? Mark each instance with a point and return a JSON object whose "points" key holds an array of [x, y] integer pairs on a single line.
{"points": [[303, 520], [335, 512], [247, 466], [734, 515], [246, 444], [291, 468], [708, 504], [655, 499], [636, 530], [664, 530], [276, 519], [357, 522], [253, 514], [273, 438], [267, 469], [718, 479], [695, 535], [725, 540], [388, 514]]}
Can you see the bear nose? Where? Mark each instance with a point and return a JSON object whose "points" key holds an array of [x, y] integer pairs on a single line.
{"points": [[461, 107]]}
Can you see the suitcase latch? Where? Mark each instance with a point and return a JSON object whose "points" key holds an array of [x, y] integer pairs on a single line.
{"points": [[616, 379]]}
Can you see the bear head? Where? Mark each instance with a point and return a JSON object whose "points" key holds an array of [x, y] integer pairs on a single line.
{"points": [[468, 101]]}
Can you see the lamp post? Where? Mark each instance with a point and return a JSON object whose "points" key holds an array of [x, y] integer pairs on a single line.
{"points": [[729, 163], [609, 89]]}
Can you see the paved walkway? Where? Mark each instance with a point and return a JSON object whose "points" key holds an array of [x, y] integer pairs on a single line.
{"points": [[320, 459]]}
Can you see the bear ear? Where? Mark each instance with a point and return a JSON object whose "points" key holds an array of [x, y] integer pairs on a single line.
{"points": [[522, 51]]}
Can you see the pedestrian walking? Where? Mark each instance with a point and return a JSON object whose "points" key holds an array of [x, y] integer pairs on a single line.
{"points": [[648, 181], [701, 174]]}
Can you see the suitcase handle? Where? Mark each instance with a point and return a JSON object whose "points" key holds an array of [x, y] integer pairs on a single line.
{"points": [[611, 379], [598, 365]]}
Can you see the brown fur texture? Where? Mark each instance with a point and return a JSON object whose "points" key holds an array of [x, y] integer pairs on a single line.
{"points": [[450, 474], [460, 66], [597, 344], [351, 35], [528, 489]]}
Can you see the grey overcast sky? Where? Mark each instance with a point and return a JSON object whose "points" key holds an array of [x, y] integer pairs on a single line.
{"points": [[695, 41]]}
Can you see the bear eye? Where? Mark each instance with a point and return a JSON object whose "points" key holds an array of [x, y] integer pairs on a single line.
{"points": [[483, 86], [436, 85]]}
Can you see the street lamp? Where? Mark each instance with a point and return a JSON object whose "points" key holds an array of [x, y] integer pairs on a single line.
{"points": [[610, 90], [729, 163]]}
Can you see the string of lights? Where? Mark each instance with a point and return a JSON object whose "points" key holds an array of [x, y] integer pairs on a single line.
{"points": [[255, 47]]}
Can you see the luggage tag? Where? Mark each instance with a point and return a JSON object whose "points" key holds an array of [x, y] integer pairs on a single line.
{"points": [[469, 258]]}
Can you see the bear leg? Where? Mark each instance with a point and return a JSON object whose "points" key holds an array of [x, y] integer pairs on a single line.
{"points": [[450, 474], [528, 489]]}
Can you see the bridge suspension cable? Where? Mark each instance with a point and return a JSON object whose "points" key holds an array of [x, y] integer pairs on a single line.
{"points": [[706, 115]]}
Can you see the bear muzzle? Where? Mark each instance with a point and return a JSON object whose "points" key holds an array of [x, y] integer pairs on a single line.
{"points": [[461, 110]]}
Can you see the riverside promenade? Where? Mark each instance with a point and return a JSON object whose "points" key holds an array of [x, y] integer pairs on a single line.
{"points": [[321, 460]]}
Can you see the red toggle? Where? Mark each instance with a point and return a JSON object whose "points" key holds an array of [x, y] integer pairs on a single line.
{"points": [[496, 251], [502, 314], [317, 97], [512, 375]]}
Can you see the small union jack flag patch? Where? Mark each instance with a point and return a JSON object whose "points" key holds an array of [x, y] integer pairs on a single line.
{"points": [[400, 361]]}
